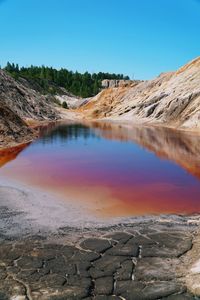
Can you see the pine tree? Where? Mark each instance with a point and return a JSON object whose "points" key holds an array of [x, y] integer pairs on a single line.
{"points": [[50, 79]]}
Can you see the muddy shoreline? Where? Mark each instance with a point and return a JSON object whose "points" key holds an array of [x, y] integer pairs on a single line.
{"points": [[34, 210], [150, 257]]}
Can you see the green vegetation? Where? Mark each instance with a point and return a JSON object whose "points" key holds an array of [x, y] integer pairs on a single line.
{"points": [[64, 105], [50, 79]]}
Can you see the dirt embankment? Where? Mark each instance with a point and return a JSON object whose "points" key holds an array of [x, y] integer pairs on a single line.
{"points": [[18, 104], [13, 130], [25, 102], [172, 99]]}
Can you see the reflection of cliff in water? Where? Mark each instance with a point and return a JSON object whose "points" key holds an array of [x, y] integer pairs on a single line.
{"points": [[178, 146], [7, 155]]}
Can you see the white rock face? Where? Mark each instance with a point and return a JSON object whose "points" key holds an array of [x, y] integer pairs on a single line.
{"points": [[72, 101], [112, 83], [172, 99], [196, 268]]}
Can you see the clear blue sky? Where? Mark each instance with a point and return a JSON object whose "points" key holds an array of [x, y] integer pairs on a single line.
{"points": [[140, 37]]}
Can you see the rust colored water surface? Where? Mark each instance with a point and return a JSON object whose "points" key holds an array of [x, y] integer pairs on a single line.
{"points": [[115, 170]]}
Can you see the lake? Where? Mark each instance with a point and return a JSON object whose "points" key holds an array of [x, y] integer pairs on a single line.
{"points": [[114, 170]]}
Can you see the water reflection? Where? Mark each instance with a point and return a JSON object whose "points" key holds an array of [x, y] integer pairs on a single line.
{"points": [[65, 133], [117, 170], [178, 146]]}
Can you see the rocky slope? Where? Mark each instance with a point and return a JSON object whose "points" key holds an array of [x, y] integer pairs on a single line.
{"points": [[17, 104], [71, 100], [13, 130], [112, 83], [25, 102], [172, 99]]}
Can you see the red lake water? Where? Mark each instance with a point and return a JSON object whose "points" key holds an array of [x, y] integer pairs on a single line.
{"points": [[115, 170]]}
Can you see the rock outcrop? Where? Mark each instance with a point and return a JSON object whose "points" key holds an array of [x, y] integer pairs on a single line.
{"points": [[13, 130], [71, 100], [113, 83], [17, 104], [172, 99], [25, 102]]}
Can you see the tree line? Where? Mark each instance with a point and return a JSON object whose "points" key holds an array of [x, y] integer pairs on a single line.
{"points": [[49, 79]]}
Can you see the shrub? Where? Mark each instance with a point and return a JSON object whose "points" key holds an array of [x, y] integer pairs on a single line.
{"points": [[64, 105]]}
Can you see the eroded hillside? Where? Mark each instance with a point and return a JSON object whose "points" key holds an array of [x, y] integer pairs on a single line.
{"points": [[172, 99], [13, 130], [25, 102], [17, 105]]}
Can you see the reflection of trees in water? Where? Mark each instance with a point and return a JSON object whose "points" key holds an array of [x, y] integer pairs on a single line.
{"points": [[67, 133]]}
